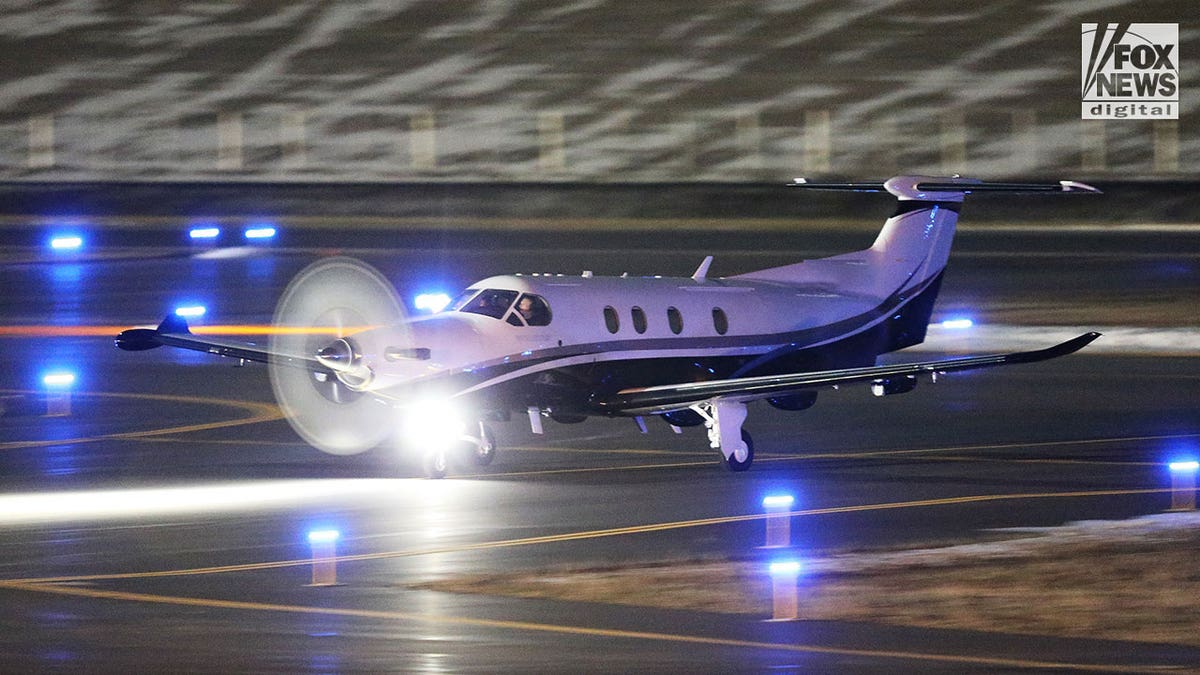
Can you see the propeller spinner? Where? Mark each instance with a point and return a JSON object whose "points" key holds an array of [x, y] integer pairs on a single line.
{"points": [[317, 316]]}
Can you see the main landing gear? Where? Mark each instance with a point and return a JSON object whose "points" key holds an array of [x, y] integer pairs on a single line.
{"points": [[724, 419]]}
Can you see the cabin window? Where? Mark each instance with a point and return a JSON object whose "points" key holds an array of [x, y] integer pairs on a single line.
{"points": [[490, 302], [720, 321], [675, 320], [639, 319], [611, 320]]}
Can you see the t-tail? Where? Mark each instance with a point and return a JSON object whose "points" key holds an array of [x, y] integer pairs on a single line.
{"points": [[904, 266]]}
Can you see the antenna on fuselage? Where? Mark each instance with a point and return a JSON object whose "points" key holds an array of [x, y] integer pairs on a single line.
{"points": [[702, 270]]}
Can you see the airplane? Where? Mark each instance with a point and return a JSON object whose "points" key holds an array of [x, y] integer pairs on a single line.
{"points": [[348, 368]]}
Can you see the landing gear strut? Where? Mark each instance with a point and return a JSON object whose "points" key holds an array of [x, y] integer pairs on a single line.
{"points": [[724, 419], [482, 450]]}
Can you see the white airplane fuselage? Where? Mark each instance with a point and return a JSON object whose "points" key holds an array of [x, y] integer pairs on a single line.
{"points": [[604, 334]]}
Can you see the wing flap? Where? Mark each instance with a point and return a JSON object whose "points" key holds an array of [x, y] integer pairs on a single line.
{"points": [[677, 396]]}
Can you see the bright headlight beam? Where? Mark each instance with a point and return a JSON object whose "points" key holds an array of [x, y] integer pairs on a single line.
{"points": [[433, 424], [157, 502], [1189, 466], [957, 324]]}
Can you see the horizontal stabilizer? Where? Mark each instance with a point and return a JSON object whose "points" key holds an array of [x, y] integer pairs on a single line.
{"points": [[960, 185]]}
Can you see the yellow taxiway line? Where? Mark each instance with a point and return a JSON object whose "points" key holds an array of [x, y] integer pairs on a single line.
{"points": [[584, 631]]}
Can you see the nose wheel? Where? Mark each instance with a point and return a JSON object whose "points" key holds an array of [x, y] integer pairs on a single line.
{"points": [[481, 449]]}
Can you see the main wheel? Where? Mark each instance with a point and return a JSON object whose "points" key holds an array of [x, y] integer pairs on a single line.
{"points": [[741, 464]]}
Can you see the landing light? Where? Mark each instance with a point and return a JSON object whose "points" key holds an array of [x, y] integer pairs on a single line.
{"points": [[433, 424], [957, 324], [431, 302], [66, 242], [1189, 466]]}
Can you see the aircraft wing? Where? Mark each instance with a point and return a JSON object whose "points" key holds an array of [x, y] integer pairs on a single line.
{"points": [[648, 400], [174, 332]]}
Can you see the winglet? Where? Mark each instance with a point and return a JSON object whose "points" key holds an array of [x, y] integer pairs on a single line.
{"points": [[141, 339], [702, 270], [173, 323]]}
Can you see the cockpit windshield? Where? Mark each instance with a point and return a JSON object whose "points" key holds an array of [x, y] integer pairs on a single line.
{"points": [[530, 310], [489, 302]]}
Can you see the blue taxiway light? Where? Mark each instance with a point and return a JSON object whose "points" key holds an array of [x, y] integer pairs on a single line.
{"points": [[431, 302], [323, 536], [190, 311], [785, 567], [66, 243], [260, 233], [957, 324], [204, 232], [58, 379], [772, 501], [1190, 466]]}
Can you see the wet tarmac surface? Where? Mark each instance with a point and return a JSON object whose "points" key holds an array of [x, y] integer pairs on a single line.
{"points": [[161, 524]]}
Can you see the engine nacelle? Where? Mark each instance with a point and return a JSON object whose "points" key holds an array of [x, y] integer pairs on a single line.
{"points": [[894, 385], [794, 402]]}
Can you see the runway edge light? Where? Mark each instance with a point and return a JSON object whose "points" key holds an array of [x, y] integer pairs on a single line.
{"points": [[431, 302], [779, 522], [204, 233], [323, 536], [324, 556], [58, 379], [784, 604], [66, 242], [260, 232], [1183, 484], [58, 385]]}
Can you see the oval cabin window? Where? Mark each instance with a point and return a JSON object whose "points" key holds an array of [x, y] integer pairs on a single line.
{"points": [[720, 321], [675, 320], [639, 319], [611, 320]]}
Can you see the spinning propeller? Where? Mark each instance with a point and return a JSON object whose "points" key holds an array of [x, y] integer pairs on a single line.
{"points": [[323, 314]]}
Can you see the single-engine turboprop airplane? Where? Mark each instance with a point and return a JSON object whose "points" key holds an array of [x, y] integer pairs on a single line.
{"points": [[348, 369]]}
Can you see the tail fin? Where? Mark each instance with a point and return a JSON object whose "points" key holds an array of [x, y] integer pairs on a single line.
{"points": [[905, 264], [914, 244]]}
